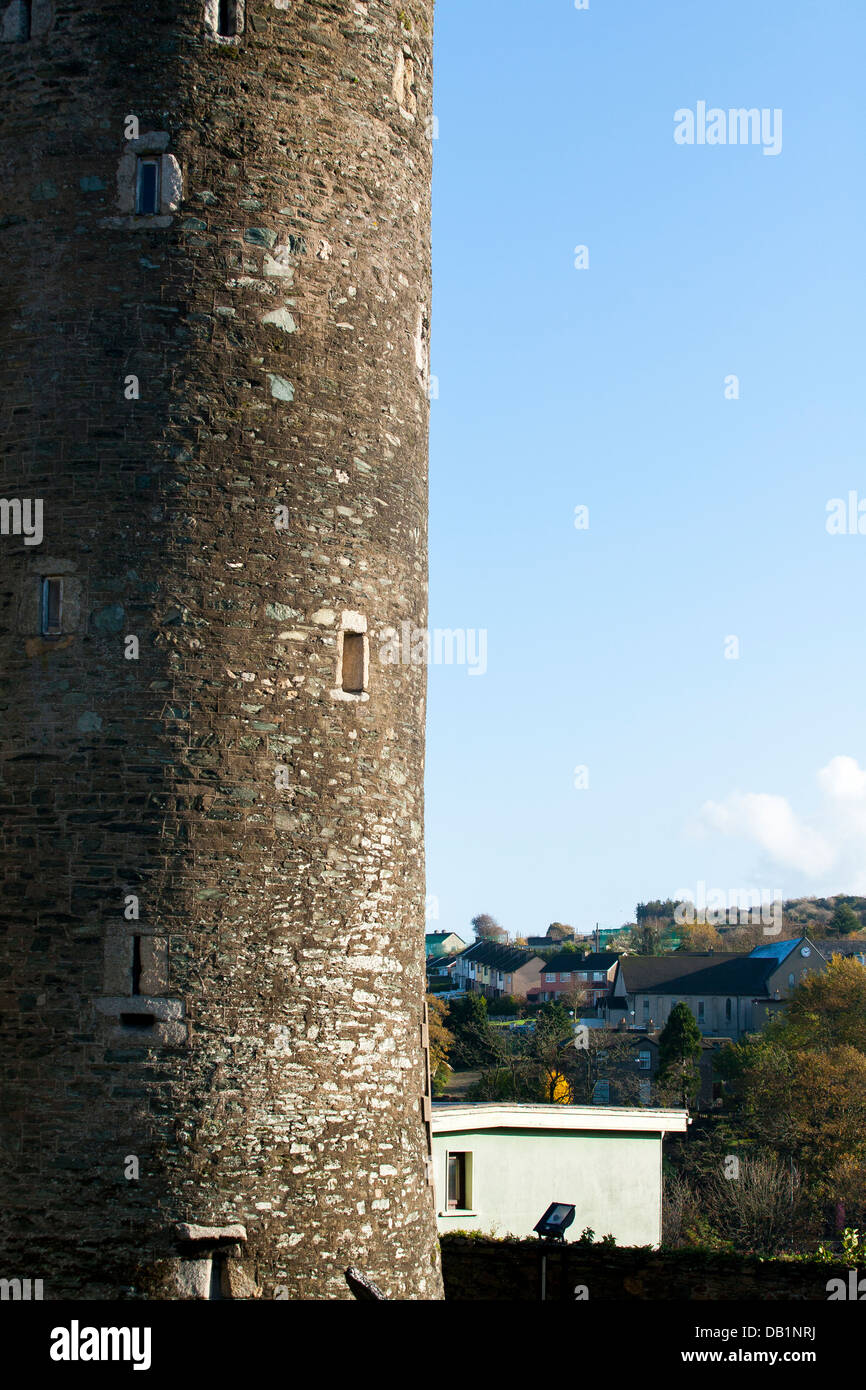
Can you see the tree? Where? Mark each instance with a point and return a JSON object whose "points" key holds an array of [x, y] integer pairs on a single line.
{"points": [[657, 910], [680, 1209], [744, 937], [808, 1107], [795, 1109], [844, 921], [799, 1088], [544, 1065], [827, 1009], [608, 1056], [576, 999], [645, 938], [558, 931], [441, 1042], [700, 936], [488, 929], [679, 1049], [474, 1039], [507, 1071], [623, 941], [755, 1207], [506, 1006], [830, 1108], [553, 1028]]}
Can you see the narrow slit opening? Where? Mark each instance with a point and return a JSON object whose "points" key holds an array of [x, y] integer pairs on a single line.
{"points": [[353, 663], [227, 19], [147, 188], [52, 604], [136, 965]]}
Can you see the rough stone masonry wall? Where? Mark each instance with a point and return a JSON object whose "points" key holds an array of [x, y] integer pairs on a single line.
{"points": [[511, 1270], [275, 312]]}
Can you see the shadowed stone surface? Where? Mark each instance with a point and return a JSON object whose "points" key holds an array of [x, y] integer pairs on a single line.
{"points": [[511, 1270]]}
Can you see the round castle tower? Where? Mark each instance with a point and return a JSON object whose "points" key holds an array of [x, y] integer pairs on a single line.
{"points": [[214, 237]]}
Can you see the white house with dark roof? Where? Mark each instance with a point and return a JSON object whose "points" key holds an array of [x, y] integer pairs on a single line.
{"points": [[498, 1167]]}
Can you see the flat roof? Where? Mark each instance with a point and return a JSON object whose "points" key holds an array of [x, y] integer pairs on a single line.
{"points": [[450, 1118]]}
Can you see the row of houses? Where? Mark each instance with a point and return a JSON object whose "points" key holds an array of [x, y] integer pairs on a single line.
{"points": [[729, 995]]}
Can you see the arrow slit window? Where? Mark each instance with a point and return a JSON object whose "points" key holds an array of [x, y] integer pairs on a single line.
{"points": [[354, 663], [147, 187], [227, 21], [52, 607]]}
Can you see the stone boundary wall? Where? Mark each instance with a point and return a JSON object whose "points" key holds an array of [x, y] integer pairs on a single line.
{"points": [[512, 1270]]}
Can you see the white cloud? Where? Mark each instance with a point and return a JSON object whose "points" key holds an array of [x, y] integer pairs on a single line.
{"points": [[827, 848], [770, 821], [843, 780]]}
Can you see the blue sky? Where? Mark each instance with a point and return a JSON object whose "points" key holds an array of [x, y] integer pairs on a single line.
{"points": [[605, 388]]}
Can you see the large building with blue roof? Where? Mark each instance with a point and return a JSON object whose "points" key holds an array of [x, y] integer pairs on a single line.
{"points": [[729, 995]]}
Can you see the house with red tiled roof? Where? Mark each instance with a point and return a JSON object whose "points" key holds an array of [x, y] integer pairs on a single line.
{"points": [[570, 975]]}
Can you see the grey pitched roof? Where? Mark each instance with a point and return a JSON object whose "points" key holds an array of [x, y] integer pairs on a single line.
{"points": [[496, 957], [697, 974], [573, 960], [638, 1039]]}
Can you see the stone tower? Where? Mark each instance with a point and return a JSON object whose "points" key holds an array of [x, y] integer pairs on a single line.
{"points": [[214, 246]]}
